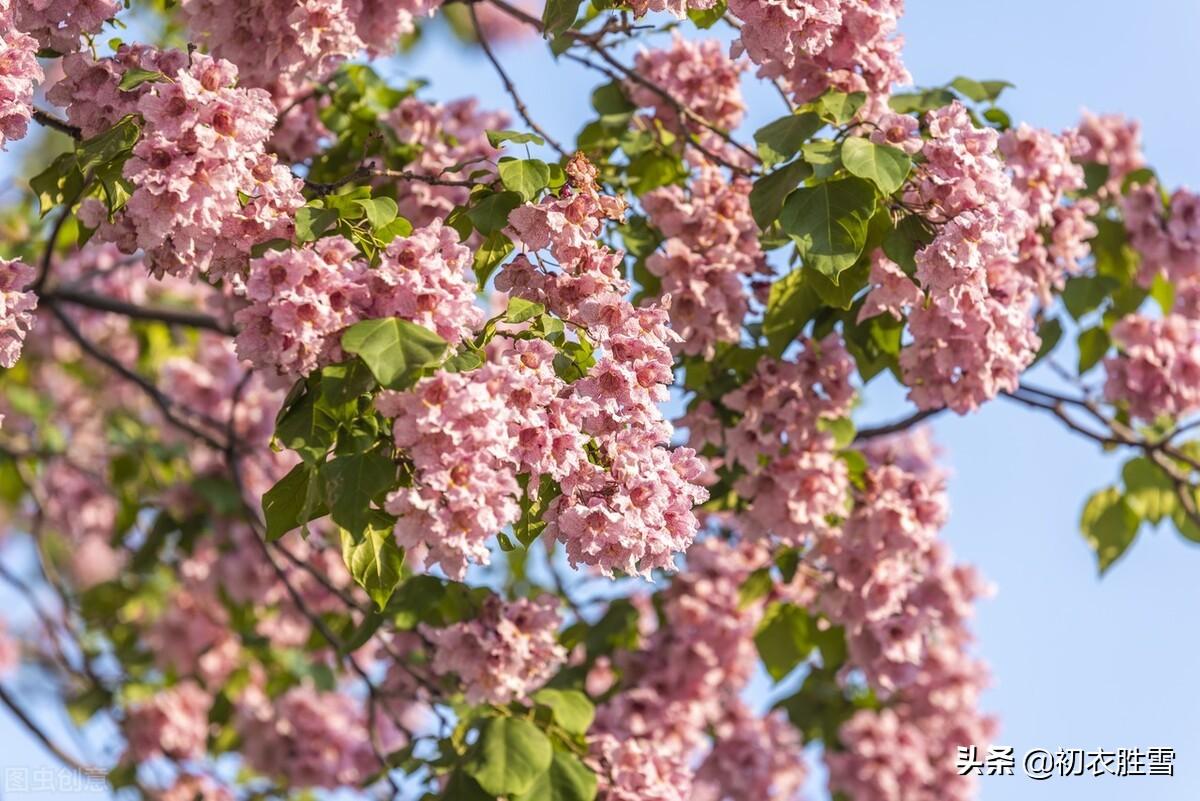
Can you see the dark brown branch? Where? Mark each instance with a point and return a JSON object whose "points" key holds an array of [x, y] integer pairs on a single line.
{"points": [[375, 172], [160, 314], [48, 743], [62, 126], [509, 86], [165, 404], [594, 44], [896, 426]]}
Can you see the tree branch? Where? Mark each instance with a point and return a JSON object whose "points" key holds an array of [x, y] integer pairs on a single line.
{"points": [[62, 126], [160, 314], [896, 426], [509, 86], [49, 744]]}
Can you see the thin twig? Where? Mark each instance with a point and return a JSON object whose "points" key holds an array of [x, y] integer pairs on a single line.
{"points": [[161, 314], [509, 86], [62, 126], [45, 739], [896, 426]]}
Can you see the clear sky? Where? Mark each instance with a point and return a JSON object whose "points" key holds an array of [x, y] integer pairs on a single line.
{"points": [[1077, 662]]}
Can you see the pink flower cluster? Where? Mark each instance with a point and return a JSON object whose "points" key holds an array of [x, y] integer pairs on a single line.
{"points": [[469, 435], [1156, 370], [20, 73], [89, 89], [972, 333], [302, 299], [686, 682], [813, 45], [752, 759], [16, 309], [905, 608], [60, 24], [504, 654], [637, 770], [450, 143], [1168, 241], [283, 46], [628, 507], [172, 723], [1112, 140], [1043, 175], [307, 737], [792, 479], [213, 389], [195, 788], [205, 189], [710, 254], [697, 74]]}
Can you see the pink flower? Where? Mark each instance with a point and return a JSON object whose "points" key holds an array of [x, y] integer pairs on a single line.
{"points": [[19, 75], [697, 74], [171, 723], [504, 654], [309, 738], [205, 189], [60, 24], [1157, 368], [16, 309], [812, 45], [638, 770]]}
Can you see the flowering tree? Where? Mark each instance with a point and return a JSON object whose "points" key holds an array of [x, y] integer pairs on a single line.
{"points": [[334, 451]]}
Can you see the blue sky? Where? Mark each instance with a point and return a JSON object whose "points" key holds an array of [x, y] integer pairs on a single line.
{"points": [[1078, 662]]}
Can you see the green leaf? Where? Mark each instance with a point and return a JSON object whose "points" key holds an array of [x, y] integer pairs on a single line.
{"points": [[526, 177], [291, 503], [1149, 491], [395, 350], [312, 221], [520, 310], [907, 103], [461, 787], [756, 587], [828, 222], [559, 15], [784, 639], [1093, 344], [374, 559], [109, 145], [491, 253], [1163, 292], [572, 709], [769, 192], [842, 429], [839, 107], [1050, 333], [567, 779], [780, 140], [902, 242], [979, 91], [1083, 294], [497, 138], [509, 756], [133, 77], [705, 18], [790, 306], [59, 182], [653, 170], [380, 211], [885, 166], [306, 427], [351, 482], [490, 214], [1109, 525]]}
